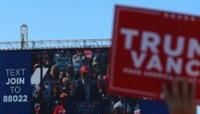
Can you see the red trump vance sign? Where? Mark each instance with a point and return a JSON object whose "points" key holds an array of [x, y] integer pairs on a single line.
{"points": [[151, 47]]}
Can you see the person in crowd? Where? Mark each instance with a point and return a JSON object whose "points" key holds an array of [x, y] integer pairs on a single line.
{"points": [[65, 86], [49, 83], [67, 60], [118, 108], [70, 72], [54, 98], [61, 107], [180, 96], [86, 89], [88, 54], [77, 62], [37, 108], [50, 79], [101, 86], [36, 99], [61, 76], [98, 63], [46, 59], [53, 73]]}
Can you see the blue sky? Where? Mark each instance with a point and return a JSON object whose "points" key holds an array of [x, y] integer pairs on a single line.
{"points": [[70, 19]]}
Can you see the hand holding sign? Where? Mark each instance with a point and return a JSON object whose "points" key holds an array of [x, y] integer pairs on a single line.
{"points": [[153, 47], [180, 102]]}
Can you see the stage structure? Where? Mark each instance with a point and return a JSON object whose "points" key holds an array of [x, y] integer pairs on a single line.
{"points": [[56, 44]]}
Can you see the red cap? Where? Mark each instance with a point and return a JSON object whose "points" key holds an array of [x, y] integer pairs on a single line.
{"points": [[84, 69]]}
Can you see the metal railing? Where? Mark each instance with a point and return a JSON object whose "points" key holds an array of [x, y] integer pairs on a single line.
{"points": [[56, 44]]}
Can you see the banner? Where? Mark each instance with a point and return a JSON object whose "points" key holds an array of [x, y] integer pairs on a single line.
{"points": [[152, 47], [15, 87]]}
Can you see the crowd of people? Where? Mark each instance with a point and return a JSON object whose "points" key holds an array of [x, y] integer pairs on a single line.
{"points": [[75, 83]]}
